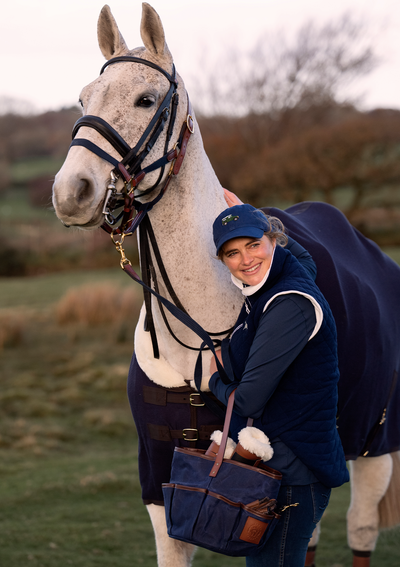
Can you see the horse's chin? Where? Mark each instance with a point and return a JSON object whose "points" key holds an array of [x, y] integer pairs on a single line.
{"points": [[91, 225], [95, 220]]}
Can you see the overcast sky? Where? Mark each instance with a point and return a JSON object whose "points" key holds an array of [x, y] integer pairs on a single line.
{"points": [[49, 48]]}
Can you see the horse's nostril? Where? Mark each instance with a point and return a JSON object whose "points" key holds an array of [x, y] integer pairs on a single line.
{"points": [[84, 191]]}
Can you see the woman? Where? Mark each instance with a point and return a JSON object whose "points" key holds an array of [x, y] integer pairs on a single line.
{"points": [[283, 351]]}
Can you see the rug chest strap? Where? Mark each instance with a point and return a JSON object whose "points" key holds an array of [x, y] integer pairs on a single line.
{"points": [[161, 397], [164, 433]]}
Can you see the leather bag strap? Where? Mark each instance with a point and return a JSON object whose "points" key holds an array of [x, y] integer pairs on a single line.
{"points": [[221, 452]]}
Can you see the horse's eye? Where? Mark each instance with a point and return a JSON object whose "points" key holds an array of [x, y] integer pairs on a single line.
{"points": [[81, 103], [146, 101]]}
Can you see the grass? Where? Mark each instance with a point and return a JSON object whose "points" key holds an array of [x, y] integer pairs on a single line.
{"points": [[393, 252], [23, 171], [39, 291], [33, 241]]}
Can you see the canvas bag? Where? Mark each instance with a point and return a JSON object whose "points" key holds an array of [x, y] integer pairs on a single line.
{"points": [[221, 504]]}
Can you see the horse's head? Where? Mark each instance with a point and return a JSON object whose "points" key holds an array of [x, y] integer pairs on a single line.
{"points": [[118, 111]]}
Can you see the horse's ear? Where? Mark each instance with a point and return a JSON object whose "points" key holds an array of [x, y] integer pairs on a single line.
{"points": [[152, 33], [110, 39]]}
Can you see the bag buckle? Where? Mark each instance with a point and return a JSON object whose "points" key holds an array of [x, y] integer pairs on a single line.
{"points": [[184, 433], [194, 403]]}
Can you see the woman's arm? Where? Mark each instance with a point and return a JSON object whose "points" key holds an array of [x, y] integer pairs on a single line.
{"points": [[283, 332]]}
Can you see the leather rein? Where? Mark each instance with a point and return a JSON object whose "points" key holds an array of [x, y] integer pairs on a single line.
{"points": [[129, 167]]}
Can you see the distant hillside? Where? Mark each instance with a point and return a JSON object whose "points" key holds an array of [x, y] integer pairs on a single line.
{"points": [[328, 151]]}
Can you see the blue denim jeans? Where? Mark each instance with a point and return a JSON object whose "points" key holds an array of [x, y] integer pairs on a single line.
{"points": [[287, 546]]}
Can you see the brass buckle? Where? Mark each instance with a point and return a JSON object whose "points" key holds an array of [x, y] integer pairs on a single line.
{"points": [[189, 429], [190, 123], [192, 403]]}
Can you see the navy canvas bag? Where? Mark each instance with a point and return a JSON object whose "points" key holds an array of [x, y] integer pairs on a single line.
{"points": [[221, 504]]}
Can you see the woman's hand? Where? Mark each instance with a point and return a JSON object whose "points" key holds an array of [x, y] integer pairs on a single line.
{"points": [[213, 364], [231, 199]]}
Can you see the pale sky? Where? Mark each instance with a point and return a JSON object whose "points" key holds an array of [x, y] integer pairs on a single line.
{"points": [[49, 48]]}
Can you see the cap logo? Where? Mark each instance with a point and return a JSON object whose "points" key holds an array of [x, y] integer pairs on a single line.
{"points": [[229, 218]]}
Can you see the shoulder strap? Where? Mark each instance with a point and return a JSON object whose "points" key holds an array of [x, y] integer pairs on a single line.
{"points": [[220, 455]]}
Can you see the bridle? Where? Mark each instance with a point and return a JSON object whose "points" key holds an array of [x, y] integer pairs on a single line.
{"points": [[132, 158], [132, 172]]}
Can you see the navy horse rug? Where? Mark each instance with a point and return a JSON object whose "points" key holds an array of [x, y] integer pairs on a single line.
{"points": [[362, 286]]}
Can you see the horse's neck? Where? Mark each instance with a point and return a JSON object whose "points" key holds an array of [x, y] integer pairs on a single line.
{"points": [[182, 223]]}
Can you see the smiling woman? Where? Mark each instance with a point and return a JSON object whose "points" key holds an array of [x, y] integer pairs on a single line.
{"points": [[247, 245], [284, 354]]}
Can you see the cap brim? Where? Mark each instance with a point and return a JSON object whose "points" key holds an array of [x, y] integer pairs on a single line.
{"points": [[249, 231]]}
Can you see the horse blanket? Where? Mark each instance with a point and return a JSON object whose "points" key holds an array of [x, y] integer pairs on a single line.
{"points": [[362, 286], [165, 419]]}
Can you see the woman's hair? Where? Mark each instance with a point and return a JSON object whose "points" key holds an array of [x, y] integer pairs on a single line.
{"points": [[276, 232]]}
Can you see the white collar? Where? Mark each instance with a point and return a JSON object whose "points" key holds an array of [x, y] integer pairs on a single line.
{"points": [[251, 289]]}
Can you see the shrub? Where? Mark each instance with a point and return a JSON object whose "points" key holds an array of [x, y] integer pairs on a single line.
{"points": [[93, 305]]}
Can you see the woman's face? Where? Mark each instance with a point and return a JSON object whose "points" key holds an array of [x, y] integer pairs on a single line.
{"points": [[248, 259]]}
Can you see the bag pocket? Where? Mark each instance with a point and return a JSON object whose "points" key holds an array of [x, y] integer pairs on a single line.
{"points": [[182, 509]]}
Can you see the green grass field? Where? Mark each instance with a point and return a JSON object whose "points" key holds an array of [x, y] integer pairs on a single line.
{"points": [[69, 488]]}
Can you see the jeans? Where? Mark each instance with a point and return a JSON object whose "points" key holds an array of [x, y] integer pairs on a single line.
{"points": [[287, 546]]}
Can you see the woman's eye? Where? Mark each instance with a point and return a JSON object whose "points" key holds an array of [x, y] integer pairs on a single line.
{"points": [[145, 101]]}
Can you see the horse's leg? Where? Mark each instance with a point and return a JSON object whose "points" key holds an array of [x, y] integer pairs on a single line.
{"points": [[369, 478], [312, 546], [389, 506], [170, 552]]}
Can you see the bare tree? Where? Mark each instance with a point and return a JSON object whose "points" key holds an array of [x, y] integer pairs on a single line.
{"points": [[283, 86], [277, 74]]}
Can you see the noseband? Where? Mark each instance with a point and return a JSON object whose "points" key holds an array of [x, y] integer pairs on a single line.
{"points": [[132, 158]]}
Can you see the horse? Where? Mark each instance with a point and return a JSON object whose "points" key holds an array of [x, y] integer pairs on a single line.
{"points": [[138, 109]]}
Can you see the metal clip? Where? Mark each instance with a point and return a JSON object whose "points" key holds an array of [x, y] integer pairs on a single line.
{"points": [[111, 191], [118, 246], [288, 506]]}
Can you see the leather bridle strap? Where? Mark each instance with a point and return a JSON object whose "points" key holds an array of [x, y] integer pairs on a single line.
{"points": [[128, 224], [147, 237], [125, 58], [196, 328], [131, 159], [103, 128]]}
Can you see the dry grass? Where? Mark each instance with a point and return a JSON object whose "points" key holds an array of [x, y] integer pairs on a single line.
{"points": [[100, 304], [12, 329], [63, 370]]}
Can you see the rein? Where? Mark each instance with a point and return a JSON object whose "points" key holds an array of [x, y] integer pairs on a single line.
{"points": [[130, 169]]}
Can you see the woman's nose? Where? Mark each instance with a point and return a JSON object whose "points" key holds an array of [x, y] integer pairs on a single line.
{"points": [[247, 258]]}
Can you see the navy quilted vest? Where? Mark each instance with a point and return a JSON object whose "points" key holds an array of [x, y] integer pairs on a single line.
{"points": [[302, 410]]}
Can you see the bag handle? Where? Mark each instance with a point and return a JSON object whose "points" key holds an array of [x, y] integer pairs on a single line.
{"points": [[220, 455]]}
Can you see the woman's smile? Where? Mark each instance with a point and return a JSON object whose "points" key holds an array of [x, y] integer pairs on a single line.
{"points": [[248, 259]]}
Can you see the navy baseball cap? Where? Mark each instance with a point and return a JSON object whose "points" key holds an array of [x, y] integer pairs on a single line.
{"points": [[240, 220]]}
